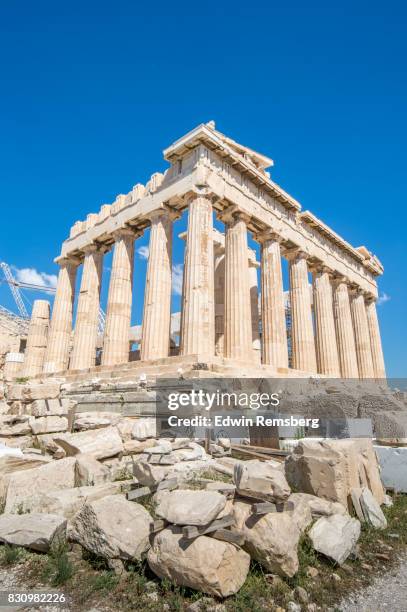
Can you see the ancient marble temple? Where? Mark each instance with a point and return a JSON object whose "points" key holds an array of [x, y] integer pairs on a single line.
{"points": [[334, 328]]}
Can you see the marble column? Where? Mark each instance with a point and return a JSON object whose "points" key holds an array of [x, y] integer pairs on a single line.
{"points": [[344, 330], [155, 340], [116, 339], [362, 337], [238, 319], [302, 330], [198, 312], [375, 339], [325, 334], [274, 332], [36, 339], [59, 337], [254, 305], [219, 264], [86, 327]]}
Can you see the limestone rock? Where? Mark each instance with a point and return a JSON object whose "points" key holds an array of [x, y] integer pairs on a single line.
{"points": [[21, 442], [149, 475], [12, 463], [95, 420], [259, 480], [47, 444], [331, 468], [371, 510], [335, 536], [68, 502], [34, 531], [120, 469], [193, 452], [271, 539], [144, 428], [318, 506], [205, 564], [113, 528], [89, 471], [162, 448], [49, 390], [189, 507], [51, 407], [137, 446], [53, 476], [48, 424], [100, 443], [14, 425]]}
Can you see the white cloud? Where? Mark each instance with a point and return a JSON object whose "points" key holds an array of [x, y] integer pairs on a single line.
{"points": [[143, 252], [383, 298], [33, 277], [177, 272]]}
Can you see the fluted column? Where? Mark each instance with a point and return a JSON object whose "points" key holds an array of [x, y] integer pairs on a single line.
{"points": [[362, 338], [59, 337], [274, 332], [116, 339], [375, 340], [86, 327], [344, 331], [219, 263], [238, 320], [198, 312], [254, 305], [325, 334], [155, 341], [36, 339], [302, 330]]}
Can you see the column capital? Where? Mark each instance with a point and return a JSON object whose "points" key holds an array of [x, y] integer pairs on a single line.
{"points": [[94, 248], [267, 235], [321, 268], [295, 253], [123, 232], [165, 211], [233, 213], [370, 298], [67, 260]]}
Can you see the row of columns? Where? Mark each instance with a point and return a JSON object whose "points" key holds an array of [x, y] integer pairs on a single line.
{"points": [[342, 339]]}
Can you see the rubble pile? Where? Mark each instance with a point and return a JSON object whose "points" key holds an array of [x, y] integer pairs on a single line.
{"points": [[106, 482]]}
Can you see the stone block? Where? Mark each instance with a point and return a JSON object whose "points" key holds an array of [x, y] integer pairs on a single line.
{"points": [[51, 407], [335, 536], [189, 507], [393, 464], [14, 425], [89, 471], [34, 531], [100, 443], [260, 480], [48, 424]]}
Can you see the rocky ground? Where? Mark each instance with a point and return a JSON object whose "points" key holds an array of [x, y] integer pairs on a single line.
{"points": [[95, 505]]}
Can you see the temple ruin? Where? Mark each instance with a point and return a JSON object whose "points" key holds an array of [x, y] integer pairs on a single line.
{"points": [[334, 329]]}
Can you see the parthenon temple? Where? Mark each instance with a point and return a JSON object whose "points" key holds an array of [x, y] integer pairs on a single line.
{"points": [[226, 321]]}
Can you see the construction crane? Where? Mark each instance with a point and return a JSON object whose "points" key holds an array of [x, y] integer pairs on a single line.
{"points": [[15, 287]]}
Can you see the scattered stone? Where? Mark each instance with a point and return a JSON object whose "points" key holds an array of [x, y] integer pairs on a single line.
{"points": [[113, 528], [301, 594], [144, 428], [53, 476], [293, 607], [259, 480], [51, 407], [162, 448], [192, 453], [100, 443], [90, 472], [335, 536], [336, 577], [318, 506], [205, 564], [149, 475], [14, 425], [95, 420], [137, 446], [372, 512], [272, 539], [48, 424], [312, 572], [34, 531], [189, 507]]}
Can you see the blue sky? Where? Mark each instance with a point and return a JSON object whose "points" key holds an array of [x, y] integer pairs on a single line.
{"points": [[92, 92]]}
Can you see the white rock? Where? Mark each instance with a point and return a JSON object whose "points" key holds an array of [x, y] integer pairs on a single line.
{"points": [[95, 420], [53, 476], [205, 564], [14, 425], [51, 407], [137, 446], [48, 424], [68, 502], [90, 472], [335, 536], [143, 428], [272, 539], [113, 528], [193, 452], [34, 531], [318, 506], [260, 480], [162, 448], [189, 507], [100, 443], [149, 475], [371, 510]]}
